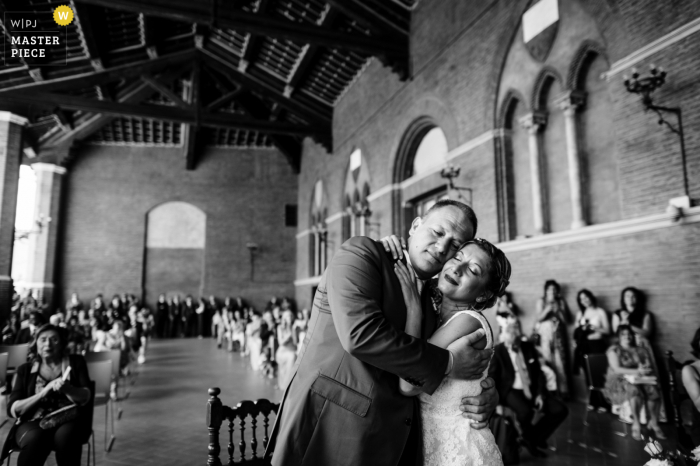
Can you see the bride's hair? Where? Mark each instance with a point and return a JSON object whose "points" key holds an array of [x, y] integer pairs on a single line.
{"points": [[499, 276]]}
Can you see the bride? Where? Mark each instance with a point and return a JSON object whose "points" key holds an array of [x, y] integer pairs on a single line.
{"points": [[469, 283]]}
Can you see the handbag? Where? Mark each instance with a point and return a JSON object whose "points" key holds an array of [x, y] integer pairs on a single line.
{"points": [[59, 417], [506, 437]]}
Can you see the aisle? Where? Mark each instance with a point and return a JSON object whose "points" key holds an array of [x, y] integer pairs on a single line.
{"points": [[164, 417]]}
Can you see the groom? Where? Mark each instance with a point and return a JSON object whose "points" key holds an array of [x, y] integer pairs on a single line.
{"points": [[343, 406]]}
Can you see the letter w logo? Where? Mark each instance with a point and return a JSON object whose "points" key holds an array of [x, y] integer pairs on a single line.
{"points": [[63, 15]]}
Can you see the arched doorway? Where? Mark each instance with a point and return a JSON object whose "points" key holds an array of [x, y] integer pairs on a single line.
{"points": [[175, 246]]}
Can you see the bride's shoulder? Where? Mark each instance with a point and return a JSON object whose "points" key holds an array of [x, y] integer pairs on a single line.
{"points": [[462, 324]]}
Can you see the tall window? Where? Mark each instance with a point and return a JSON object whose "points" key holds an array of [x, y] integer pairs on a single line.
{"points": [[319, 233], [431, 152], [357, 188]]}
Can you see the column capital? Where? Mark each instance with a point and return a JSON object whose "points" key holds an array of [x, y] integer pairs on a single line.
{"points": [[571, 101], [534, 122], [13, 118], [48, 167]]}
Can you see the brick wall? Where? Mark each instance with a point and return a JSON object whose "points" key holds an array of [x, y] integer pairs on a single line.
{"points": [[459, 53], [109, 191]]}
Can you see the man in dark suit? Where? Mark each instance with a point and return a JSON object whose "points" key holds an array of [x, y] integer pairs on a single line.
{"points": [[343, 405], [522, 385]]}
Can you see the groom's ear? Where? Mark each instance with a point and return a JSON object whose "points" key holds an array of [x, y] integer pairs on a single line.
{"points": [[414, 225]]}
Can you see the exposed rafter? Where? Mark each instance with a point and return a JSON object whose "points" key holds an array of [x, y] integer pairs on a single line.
{"points": [[162, 112], [190, 131], [117, 73], [217, 13], [94, 41], [368, 17], [308, 113]]}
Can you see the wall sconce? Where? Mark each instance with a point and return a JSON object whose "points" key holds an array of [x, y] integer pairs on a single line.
{"points": [[450, 173], [253, 248], [645, 87], [41, 223]]}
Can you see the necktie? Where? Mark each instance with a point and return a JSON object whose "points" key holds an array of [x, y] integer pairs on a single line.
{"points": [[524, 374]]}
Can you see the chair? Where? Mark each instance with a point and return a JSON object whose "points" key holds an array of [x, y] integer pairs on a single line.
{"points": [[4, 357], [245, 411], [17, 355], [101, 373], [596, 366], [90, 413], [114, 356], [678, 395]]}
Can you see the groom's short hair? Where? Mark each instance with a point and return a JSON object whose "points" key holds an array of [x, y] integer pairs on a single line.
{"points": [[464, 208]]}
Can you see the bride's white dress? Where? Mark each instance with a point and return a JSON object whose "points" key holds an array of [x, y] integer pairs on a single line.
{"points": [[448, 439]]}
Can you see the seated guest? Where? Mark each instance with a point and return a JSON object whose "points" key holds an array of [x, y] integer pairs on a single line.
{"points": [[74, 336], [42, 386], [628, 359], [506, 311], [116, 311], [10, 331], [29, 328], [73, 306], [521, 386], [253, 340], [691, 382], [237, 327]]}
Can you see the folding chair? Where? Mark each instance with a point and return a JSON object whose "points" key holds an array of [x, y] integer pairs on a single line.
{"points": [[596, 365], [101, 373], [678, 396], [114, 356]]}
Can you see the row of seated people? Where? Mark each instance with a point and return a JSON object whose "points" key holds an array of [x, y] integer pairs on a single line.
{"points": [[271, 339], [55, 375]]}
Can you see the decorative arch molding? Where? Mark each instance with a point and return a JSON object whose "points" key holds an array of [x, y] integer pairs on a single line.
{"points": [[539, 92], [586, 53], [318, 205], [410, 141], [507, 106], [176, 225]]}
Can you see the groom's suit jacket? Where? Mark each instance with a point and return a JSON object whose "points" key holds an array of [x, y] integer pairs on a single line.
{"points": [[343, 405]]}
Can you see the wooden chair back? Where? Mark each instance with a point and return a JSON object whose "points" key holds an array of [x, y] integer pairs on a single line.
{"points": [[17, 355], [258, 414], [678, 395]]}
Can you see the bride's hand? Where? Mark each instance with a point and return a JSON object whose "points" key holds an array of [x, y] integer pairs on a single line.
{"points": [[394, 245], [409, 287]]}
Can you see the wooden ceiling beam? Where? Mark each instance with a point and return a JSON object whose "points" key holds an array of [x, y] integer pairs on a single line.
{"points": [[163, 89], [289, 146], [133, 93], [216, 13], [190, 131], [249, 82], [166, 113], [93, 78]]}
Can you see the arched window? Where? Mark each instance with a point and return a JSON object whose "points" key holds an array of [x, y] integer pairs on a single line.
{"points": [[175, 245], [422, 152], [319, 232], [431, 152], [357, 188], [555, 167], [597, 139]]}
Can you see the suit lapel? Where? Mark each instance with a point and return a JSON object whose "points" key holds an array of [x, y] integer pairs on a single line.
{"points": [[429, 318]]}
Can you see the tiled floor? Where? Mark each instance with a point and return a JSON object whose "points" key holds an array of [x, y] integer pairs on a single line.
{"points": [[164, 417]]}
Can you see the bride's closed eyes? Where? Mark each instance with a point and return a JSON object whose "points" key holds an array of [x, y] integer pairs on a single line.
{"points": [[474, 267]]}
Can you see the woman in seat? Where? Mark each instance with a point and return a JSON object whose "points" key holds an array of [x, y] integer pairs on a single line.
{"points": [[51, 380], [691, 382], [626, 359]]}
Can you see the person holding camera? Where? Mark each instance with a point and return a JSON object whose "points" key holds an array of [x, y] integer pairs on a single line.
{"points": [[550, 330]]}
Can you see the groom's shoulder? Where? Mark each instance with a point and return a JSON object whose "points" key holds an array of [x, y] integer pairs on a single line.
{"points": [[363, 245]]}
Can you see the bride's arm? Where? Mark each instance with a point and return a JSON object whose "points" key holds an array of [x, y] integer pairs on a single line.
{"points": [[414, 315]]}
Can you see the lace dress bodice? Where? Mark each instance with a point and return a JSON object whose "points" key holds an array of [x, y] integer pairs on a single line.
{"points": [[448, 439]]}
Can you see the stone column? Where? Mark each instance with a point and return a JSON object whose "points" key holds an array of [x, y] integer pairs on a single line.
{"points": [[42, 245], [10, 156], [534, 123], [314, 231], [570, 103]]}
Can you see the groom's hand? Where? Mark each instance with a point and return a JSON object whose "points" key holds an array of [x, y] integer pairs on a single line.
{"points": [[469, 362], [480, 408]]}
